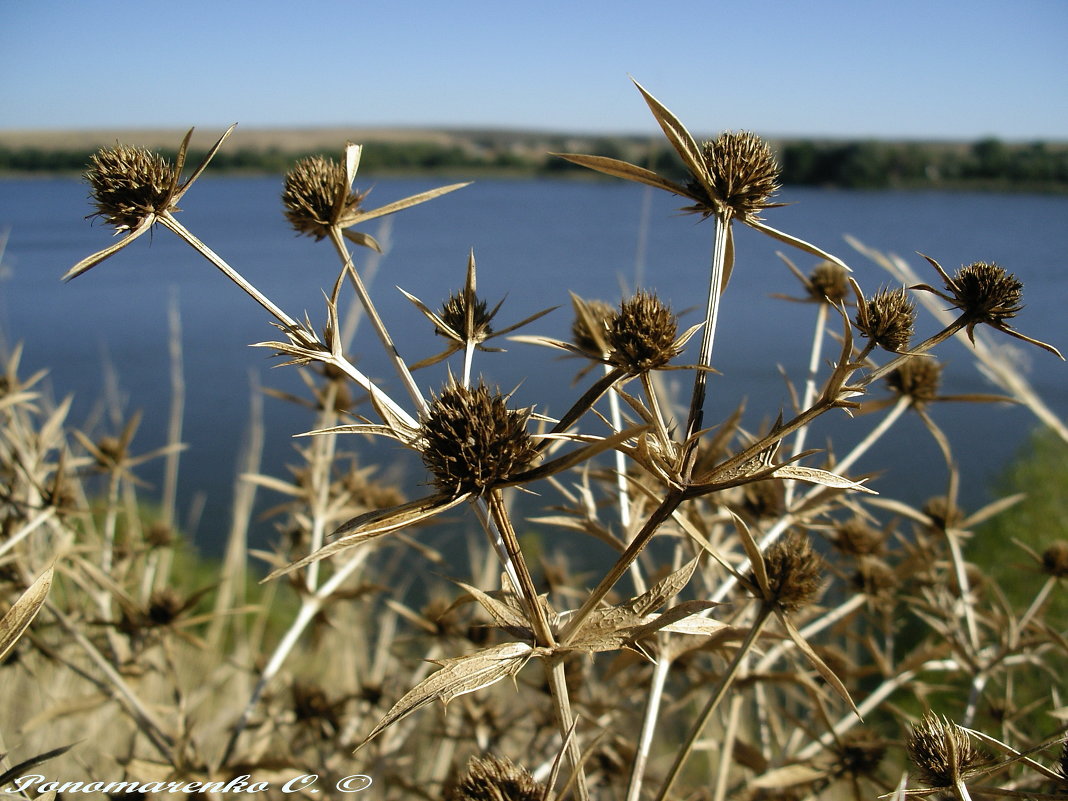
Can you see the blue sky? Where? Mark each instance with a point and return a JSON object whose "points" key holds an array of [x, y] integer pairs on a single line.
{"points": [[907, 68]]}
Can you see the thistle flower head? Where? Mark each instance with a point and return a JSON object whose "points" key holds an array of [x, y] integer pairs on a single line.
{"points": [[641, 334], [887, 319], [794, 571], [1055, 559], [828, 282], [942, 752], [128, 184], [741, 172], [916, 378], [472, 440], [856, 538], [985, 292], [454, 313], [861, 752], [494, 778], [316, 195]]}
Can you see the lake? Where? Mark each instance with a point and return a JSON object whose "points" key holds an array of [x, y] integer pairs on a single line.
{"points": [[534, 240]]}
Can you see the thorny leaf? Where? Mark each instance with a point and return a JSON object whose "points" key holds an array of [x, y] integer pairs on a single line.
{"points": [[665, 589], [34, 761], [375, 524], [816, 476], [787, 776], [821, 666], [23, 611], [506, 613], [458, 676]]}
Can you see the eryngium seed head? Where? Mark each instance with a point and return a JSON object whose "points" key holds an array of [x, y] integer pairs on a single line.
{"points": [[1055, 559], [742, 171], [472, 440], [794, 571], [129, 183], [887, 319], [592, 341], [856, 538], [641, 335], [492, 778], [827, 281], [986, 293], [310, 195], [454, 315], [917, 378], [861, 752], [941, 751]]}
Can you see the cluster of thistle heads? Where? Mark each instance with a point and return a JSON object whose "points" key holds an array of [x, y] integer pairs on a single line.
{"points": [[473, 444]]}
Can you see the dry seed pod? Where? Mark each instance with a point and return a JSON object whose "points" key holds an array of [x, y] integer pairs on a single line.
{"points": [[887, 319], [856, 538], [942, 752], [985, 292], [641, 335], [828, 282], [316, 195], [493, 778], [127, 184], [742, 172], [583, 334], [1055, 559], [918, 378], [472, 440], [794, 571]]}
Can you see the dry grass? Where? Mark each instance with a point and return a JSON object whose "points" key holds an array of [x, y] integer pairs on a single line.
{"points": [[790, 634]]}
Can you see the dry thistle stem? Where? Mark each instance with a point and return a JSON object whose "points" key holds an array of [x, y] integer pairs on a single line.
{"points": [[641, 335], [942, 752], [794, 571], [741, 173], [493, 778], [472, 440], [887, 319]]}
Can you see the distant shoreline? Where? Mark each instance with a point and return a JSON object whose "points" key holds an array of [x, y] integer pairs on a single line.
{"points": [[983, 165]]}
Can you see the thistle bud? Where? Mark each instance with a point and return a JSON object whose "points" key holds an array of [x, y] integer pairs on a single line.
{"points": [[986, 293], [1055, 560], [794, 571], [472, 441], [454, 314], [916, 378], [495, 779], [742, 172], [828, 282], [887, 319], [641, 335], [942, 752], [856, 538], [316, 195], [127, 184]]}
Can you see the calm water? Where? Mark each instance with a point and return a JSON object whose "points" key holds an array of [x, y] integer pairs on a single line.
{"points": [[534, 241]]}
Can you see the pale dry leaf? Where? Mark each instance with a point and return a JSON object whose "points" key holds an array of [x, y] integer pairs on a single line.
{"points": [[23, 611], [458, 676]]}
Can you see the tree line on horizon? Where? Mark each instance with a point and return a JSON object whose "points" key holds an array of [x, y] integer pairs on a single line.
{"points": [[988, 163]]}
